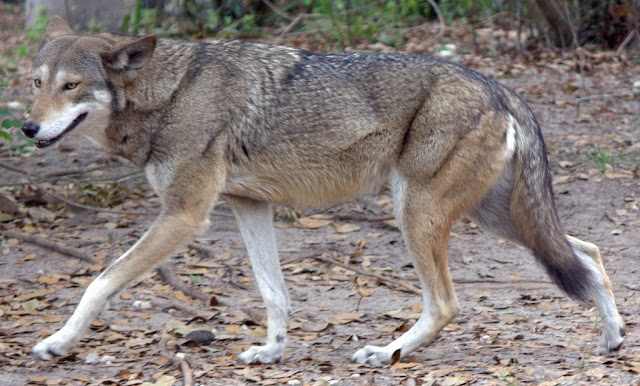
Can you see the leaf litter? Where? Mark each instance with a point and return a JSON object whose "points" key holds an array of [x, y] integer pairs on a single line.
{"points": [[505, 334]]}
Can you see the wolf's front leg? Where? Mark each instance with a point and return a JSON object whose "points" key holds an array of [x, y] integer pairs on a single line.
{"points": [[256, 225], [184, 212], [166, 234]]}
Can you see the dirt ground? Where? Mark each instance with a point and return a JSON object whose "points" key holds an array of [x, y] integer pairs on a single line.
{"points": [[514, 326]]}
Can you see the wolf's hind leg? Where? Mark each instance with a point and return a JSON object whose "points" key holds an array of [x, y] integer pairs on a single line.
{"points": [[255, 220], [613, 332], [426, 233]]}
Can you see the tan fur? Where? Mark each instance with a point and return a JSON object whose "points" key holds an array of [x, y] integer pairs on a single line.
{"points": [[261, 124]]}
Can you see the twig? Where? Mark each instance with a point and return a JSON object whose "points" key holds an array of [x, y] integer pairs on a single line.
{"points": [[93, 208], [604, 96], [405, 286], [498, 281], [626, 41], [362, 217], [411, 288], [185, 308], [31, 178], [277, 10], [208, 252], [37, 240], [440, 18], [294, 23], [186, 370], [166, 273]]}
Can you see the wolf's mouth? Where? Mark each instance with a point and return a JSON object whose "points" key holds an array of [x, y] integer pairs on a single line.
{"points": [[42, 143]]}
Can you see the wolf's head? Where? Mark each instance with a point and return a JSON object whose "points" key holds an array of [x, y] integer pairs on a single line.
{"points": [[78, 81]]}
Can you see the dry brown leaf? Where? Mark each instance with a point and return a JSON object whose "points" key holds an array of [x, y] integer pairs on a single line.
{"points": [[312, 223], [33, 295], [48, 279], [346, 228], [181, 296], [364, 292], [346, 317]]}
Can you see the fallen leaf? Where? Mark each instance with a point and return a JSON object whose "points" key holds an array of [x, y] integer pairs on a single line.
{"points": [[346, 228], [346, 317], [312, 223]]}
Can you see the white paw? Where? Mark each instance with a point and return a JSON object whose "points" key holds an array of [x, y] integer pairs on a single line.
{"points": [[376, 356], [271, 353], [57, 344], [610, 341]]}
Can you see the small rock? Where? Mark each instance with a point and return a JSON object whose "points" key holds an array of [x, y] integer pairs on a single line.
{"points": [[142, 305], [41, 214], [107, 359], [636, 84], [202, 337], [92, 358]]}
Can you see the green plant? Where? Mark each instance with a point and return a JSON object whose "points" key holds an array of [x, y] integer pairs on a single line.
{"points": [[605, 160], [8, 124], [35, 30]]}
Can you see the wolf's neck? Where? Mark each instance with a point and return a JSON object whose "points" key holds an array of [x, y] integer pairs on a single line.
{"points": [[158, 80]]}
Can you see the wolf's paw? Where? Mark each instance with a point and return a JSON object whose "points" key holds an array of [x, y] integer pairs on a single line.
{"points": [[374, 356], [610, 341], [271, 353], [56, 345]]}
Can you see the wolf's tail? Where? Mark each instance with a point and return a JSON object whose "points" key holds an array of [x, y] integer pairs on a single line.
{"points": [[534, 212]]}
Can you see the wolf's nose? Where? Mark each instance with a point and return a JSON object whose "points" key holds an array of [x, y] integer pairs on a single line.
{"points": [[30, 129]]}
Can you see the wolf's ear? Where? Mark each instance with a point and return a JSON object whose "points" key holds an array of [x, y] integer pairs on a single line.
{"points": [[56, 27], [131, 56]]}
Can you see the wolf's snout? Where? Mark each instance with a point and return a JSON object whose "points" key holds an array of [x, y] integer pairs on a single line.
{"points": [[30, 129]]}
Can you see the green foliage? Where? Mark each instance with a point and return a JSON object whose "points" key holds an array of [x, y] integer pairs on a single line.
{"points": [[34, 32], [7, 125], [607, 161], [102, 195]]}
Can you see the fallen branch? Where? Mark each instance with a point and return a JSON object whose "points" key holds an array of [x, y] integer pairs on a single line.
{"points": [[440, 18], [362, 217], [385, 279], [41, 242], [605, 96], [166, 273], [415, 290], [277, 10], [92, 208], [294, 23], [626, 41], [32, 177], [186, 308], [186, 370]]}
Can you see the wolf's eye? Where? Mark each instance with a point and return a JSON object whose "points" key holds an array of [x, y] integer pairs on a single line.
{"points": [[70, 86], [37, 83]]}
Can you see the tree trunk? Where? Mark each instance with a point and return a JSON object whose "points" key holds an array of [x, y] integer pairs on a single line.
{"points": [[560, 26], [79, 13]]}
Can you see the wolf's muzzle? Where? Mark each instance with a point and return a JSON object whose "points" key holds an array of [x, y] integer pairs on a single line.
{"points": [[30, 129]]}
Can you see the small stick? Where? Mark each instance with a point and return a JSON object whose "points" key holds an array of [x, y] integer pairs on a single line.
{"points": [[625, 42], [31, 178], [166, 273], [93, 208], [186, 370], [604, 96], [362, 217], [440, 18], [405, 286], [41, 242]]}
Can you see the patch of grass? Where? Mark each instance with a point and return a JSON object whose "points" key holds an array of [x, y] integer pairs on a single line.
{"points": [[605, 160]]}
